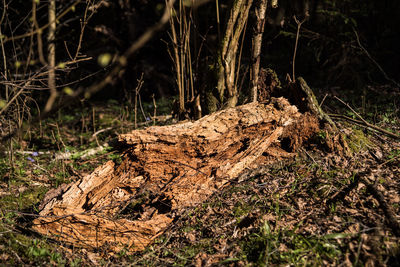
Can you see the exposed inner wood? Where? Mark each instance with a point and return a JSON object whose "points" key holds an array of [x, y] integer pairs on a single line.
{"points": [[165, 169]]}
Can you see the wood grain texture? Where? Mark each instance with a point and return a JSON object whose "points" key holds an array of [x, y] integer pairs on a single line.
{"points": [[164, 170]]}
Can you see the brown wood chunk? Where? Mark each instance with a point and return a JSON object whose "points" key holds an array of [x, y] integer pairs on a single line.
{"points": [[164, 170]]}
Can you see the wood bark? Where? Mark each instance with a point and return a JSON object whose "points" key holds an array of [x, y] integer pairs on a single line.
{"points": [[227, 62], [51, 56], [166, 169], [256, 45]]}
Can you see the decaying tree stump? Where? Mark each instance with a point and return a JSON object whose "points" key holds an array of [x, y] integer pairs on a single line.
{"points": [[166, 169]]}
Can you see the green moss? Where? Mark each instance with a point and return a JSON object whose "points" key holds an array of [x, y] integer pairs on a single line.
{"points": [[274, 77], [358, 141], [241, 208]]}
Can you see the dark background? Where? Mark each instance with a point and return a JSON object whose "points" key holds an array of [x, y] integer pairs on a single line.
{"points": [[328, 53]]}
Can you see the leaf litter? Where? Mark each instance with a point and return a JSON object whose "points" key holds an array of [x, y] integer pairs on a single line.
{"points": [[289, 213], [310, 211]]}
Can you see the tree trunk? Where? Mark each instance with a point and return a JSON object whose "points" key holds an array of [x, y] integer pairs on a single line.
{"points": [[228, 55], [166, 169], [256, 43], [51, 56]]}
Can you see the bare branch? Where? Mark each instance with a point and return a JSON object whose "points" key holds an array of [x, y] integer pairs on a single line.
{"points": [[122, 62], [299, 23], [374, 61], [13, 38]]}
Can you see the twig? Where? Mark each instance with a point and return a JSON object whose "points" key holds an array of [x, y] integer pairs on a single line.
{"points": [[26, 84], [60, 136], [387, 209], [369, 126], [155, 110], [123, 60], [30, 152], [299, 23], [102, 130], [5, 232], [364, 121], [16, 255], [84, 22], [12, 100], [373, 60], [323, 100], [82, 155], [2, 48], [343, 192], [358, 252], [389, 160], [305, 151], [141, 108], [65, 12]]}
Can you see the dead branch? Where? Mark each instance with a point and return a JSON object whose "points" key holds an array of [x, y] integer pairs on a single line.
{"points": [[123, 60], [362, 177], [377, 128], [374, 61], [41, 29], [387, 209], [299, 23]]}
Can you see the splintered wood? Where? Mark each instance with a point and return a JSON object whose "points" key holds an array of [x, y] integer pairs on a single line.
{"points": [[164, 170]]}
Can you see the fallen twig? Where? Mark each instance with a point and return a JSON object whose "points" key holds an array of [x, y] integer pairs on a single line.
{"points": [[377, 128], [368, 125], [362, 178], [340, 195], [84, 154], [387, 209], [389, 160]]}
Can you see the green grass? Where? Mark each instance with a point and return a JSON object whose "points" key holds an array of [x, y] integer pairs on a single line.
{"points": [[286, 247]]}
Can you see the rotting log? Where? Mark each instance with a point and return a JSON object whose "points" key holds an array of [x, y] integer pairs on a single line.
{"points": [[166, 169]]}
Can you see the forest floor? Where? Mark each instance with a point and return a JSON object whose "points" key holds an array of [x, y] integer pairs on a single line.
{"points": [[321, 208]]}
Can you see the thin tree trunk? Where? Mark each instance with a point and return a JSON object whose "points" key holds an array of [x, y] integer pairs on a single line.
{"points": [[177, 62], [256, 44], [51, 56], [230, 44], [3, 50]]}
